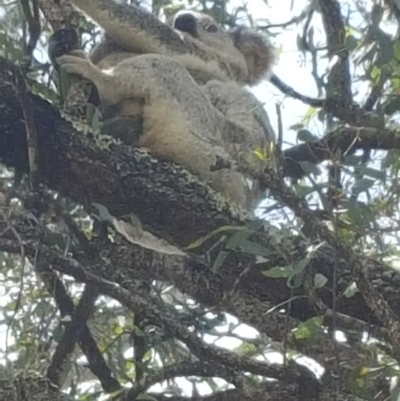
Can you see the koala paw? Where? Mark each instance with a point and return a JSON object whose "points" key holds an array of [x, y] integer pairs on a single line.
{"points": [[79, 53], [76, 63]]}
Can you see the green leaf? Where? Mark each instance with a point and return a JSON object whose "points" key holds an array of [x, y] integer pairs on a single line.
{"points": [[57, 333], [352, 160], [385, 49], [304, 190], [305, 135], [96, 120], [296, 278], [357, 382], [396, 50], [202, 240], [362, 185], [372, 172], [392, 156], [308, 328], [104, 214], [278, 272], [300, 266], [351, 290], [145, 397], [118, 330], [392, 106], [311, 112], [295, 281], [236, 239], [94, 396], [360, 214], [319, 280], [309, 168], [10, 48], [219, 260], [350, 42], [253, 248]]}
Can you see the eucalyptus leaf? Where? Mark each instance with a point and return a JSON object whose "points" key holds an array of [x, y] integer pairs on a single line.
{"points": [[220, 259], [278, 272], [320, 280], [309, 328]]}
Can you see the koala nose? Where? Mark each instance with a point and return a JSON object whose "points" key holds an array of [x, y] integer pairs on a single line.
{"points": [[186, 23]]}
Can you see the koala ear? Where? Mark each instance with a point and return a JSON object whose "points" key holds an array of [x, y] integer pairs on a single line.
{"points": [[257, 51]]}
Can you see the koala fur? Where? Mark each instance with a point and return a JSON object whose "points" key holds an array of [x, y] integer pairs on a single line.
{"points": [[183, 87]]}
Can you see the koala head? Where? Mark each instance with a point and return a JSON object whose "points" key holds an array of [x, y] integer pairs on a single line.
{"points": [[243, 48]]}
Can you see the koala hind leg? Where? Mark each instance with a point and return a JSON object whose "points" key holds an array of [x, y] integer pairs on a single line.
{"points": [[145, 76]]}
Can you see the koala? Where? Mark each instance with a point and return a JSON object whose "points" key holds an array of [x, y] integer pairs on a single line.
{"points": [[182, 85]]}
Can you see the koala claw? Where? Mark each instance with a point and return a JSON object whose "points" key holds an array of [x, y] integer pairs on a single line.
{"points": [[72, 64], [79, 53]]}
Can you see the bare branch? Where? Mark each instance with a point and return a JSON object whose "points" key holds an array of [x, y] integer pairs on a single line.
{"points": [[84, 338], [345, 139]]}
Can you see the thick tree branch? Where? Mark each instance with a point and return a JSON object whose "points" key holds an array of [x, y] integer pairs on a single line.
{"points": [[128, 180], [76, 168]]}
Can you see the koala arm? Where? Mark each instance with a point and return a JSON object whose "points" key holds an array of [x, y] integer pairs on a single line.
{"points": [[247, 129], [135, 29], [247, 121]]}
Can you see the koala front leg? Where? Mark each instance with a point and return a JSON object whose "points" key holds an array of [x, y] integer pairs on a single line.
{"points": [[78, 63]]}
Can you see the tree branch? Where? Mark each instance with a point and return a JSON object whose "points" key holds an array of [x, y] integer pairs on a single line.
{"points": [[346, 139], [76, 332]]}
